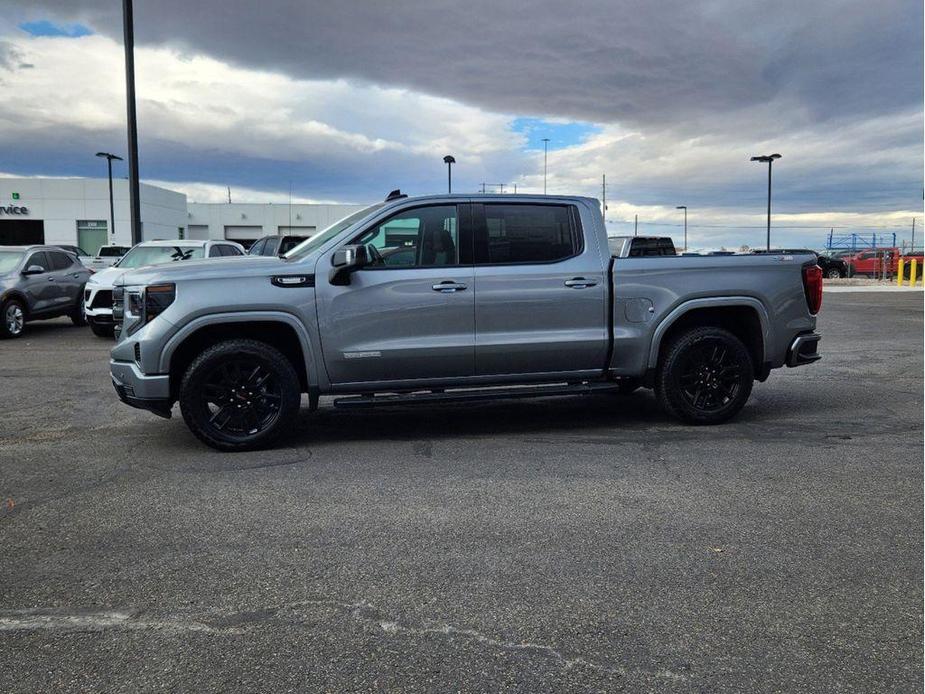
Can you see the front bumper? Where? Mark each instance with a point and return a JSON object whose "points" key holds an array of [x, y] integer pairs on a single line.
{"points": [[145, 392], [804, 349]]}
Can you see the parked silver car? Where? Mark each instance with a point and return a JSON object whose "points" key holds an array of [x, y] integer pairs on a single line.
{"points": [[39, 282]]}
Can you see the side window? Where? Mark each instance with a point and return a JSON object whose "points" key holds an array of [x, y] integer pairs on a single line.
{"points": [[528, 234], [290, 242], [232, 250], [38, 259], [270, 248], [215, 251], [420, 237], [256, 247], [59, 261]]}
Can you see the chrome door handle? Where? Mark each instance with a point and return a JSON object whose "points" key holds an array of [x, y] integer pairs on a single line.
{"points": [[448, 287], [580, 283], [51, 279]]}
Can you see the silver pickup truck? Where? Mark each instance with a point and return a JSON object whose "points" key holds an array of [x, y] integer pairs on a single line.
{"points": [[456, 298]]}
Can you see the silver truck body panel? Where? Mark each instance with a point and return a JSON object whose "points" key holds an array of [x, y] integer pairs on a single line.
{"points": [[390, 329]]}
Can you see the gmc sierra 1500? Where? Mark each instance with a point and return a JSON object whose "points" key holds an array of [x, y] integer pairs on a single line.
{"points": [[448, 298]]}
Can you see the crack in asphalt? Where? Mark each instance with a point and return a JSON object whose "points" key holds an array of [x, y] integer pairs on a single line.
{"points": [[101, 620], [65, 620]]}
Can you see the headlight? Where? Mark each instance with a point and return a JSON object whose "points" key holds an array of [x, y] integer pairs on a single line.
{"points": [[148, 303], [157, 298]]}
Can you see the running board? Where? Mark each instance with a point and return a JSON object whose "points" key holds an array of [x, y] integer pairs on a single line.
{"points": [[474, 394]]}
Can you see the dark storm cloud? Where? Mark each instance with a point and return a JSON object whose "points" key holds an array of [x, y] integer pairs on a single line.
{"points": [[637, 62]]}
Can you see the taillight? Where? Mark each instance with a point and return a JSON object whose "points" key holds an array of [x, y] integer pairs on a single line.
{"points": [[812, 287]]}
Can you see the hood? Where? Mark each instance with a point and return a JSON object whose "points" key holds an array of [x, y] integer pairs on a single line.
{"points": [[105, 278], [209, 268]]}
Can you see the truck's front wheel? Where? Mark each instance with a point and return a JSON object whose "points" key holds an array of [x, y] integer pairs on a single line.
{"points": [[240, 395], [705, 376]]}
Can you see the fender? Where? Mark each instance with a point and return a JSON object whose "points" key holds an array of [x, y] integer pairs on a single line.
{"points": [[292, 321], [711, 302]]}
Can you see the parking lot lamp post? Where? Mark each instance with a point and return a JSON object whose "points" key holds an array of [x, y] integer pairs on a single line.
{"points": [[449, 161], [112, 215], [769, 158], [684, 207]]}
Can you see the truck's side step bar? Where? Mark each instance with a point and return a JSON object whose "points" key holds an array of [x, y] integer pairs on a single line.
{"points": [[474, 394]]}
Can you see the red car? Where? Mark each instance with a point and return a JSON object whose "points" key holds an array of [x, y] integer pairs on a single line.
{"points": [[871, 262]]}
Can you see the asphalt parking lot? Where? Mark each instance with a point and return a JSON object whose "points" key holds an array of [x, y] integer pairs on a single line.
{"points": [[549, 545]]}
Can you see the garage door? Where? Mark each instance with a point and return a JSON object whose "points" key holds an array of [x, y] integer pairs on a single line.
{"points": [[21, 232], [197, 231], [244, 234]]}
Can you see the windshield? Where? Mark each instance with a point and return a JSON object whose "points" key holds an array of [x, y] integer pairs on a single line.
{"points": [[9, 260], [140, 256], [320, 239]]}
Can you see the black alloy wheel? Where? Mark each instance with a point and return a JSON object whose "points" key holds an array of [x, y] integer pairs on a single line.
{"points": [[705, 376], [240, 395], [709, 377]]}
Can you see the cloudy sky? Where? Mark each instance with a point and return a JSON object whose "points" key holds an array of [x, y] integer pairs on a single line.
{"points": [[344, 101]]}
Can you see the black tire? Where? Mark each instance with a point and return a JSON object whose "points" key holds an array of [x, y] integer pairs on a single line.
{"points": [[12, 318], [78, 316], [248, 386], [102, 329], [705, 376], [833, 273]]}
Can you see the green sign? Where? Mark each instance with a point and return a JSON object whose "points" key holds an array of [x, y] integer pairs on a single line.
{"points": [[16, 196]]}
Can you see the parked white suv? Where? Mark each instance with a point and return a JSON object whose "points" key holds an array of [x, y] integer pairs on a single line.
{"points": [[98, 292]]}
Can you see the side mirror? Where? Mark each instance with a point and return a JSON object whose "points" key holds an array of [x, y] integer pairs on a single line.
{"points": [[33, 270], [345, 261]]}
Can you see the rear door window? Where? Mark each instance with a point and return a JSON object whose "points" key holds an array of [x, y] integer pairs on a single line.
{"points": [[59, 261], [517, 234]]}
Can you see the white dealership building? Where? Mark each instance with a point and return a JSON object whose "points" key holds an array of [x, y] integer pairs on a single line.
{"points": [[75, 211]]}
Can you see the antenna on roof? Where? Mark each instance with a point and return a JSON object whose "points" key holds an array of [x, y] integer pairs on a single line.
{"points": [[395, 195]]}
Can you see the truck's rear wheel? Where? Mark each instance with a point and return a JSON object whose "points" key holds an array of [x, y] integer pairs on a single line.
{"points": [[705, 376], [240, 395]]}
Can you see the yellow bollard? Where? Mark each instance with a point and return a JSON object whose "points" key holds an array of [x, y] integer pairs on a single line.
{"points": [[899, 273], [912, 270]]}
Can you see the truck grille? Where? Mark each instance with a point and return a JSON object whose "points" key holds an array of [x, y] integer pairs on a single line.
{"points": [[118, 309], [103, 299]]}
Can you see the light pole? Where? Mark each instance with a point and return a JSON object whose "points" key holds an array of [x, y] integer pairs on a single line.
{"points": [[128, 33], [684, 207], [545, 158], [112, 215], [449, 161], [769, 158]]}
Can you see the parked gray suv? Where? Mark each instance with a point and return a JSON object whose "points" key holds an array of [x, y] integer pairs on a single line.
{"points": [[39, 282]]}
